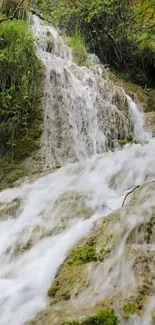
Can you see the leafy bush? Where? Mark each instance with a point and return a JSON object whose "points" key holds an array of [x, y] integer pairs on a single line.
{"points": [[120, 32], [20, 89]]}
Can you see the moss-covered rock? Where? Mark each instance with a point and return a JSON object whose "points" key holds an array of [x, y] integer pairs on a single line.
{"points": [[83, 272], [10, 209], [129, 308], [150, 122], [153, 317], [144, 96], [75, 280], [104, 317]]}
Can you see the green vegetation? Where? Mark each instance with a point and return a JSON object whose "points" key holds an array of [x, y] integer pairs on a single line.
{"points": [[82, 255], [74, 273], [75, 280], [77, 43], [104, 317], [136, 302], [129, 308], [126, 141], [20, 95], [153, 317], [121, 33]]}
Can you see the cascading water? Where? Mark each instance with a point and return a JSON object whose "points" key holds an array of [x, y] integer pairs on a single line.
{"points": [[42, 221], [136, 115], [83, 112]]}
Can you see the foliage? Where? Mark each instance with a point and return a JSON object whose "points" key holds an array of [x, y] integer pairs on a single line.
{"points": [[77, 43], [82, 255], [13, 9], [121, 33], [104, 317], [129, 139], [19, 86]]}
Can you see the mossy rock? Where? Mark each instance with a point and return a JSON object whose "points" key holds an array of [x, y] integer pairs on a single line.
{"points": [[150, 122], [153, 317], [69, 282], [135, 304], [104, 317], [76, 282], [145, 97], [10, 209], [74, 273], [129, 308]]}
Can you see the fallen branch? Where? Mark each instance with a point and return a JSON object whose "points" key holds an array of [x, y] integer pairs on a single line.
{"points": [[137, 186], [129, 194]]}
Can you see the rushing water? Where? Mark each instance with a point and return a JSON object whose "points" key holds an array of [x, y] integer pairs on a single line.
{"points": [[36, 236], [26, 275], [137, 116], [83, 112]]}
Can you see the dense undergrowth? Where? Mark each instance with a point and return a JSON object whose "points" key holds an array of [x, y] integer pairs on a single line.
{"points": [[20, 94], [121, 33]]}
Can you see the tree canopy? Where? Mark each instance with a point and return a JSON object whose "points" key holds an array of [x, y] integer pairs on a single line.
{"points": [[120, 32]]}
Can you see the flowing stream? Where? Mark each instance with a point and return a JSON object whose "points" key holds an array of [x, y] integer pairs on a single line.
{"points": [[43, 220]]}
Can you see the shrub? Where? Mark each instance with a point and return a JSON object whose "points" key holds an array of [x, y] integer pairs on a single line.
{"points": [[77, 43], [20, 89]]}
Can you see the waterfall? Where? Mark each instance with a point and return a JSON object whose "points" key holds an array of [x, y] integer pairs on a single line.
{"points": [[137, 116], [84, 113], [42, 220]]}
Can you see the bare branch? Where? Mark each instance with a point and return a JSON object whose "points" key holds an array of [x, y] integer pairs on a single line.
{"points": [[14, 13], [129, 194], [137, 186]]}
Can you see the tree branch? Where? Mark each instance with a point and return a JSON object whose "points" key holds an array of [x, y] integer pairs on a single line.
{"points": [[137, 186], [14, 13]]}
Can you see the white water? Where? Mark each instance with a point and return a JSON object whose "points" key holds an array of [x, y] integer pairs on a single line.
{"points": [[25, 278], [44, 219], [137, 116], [83, 113]]}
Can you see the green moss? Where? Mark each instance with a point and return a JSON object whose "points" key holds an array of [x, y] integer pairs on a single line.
{"points": [[129, 308], [75, 280], [74, 272], [82, 255], [104, 317], [129, 139], [136, 302], [153, 317]]}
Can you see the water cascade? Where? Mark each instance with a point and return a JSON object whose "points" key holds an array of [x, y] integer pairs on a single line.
{"points": [[41, 221], [84, 113]]}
